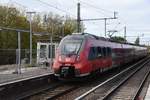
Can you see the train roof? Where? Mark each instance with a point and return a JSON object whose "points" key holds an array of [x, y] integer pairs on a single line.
{"points": [[84, 35]]}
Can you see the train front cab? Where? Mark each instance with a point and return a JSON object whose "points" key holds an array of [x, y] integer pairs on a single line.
{"points": [[68, 59]]}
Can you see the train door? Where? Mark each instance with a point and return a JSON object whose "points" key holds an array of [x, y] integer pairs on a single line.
{"points": [[104, 61], [109, 57], [107, 60], [92, 58]]}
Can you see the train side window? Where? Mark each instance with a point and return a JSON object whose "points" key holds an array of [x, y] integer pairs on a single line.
{"points": [[95, 51], [100, 53], [92, 53], [104, 51], [108, 51]]}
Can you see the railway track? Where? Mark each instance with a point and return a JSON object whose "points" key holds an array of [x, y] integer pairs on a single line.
{"points": [[33, 88], [53, 93], [36, 91], [56, 89], [125, 85], [94, 82], [126, 91]]}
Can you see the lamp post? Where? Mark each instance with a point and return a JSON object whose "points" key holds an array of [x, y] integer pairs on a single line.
{"points": [[30, 20]]}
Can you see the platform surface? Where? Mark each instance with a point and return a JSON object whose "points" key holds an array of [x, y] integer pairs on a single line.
{"points": [[8, 75], [147, 97]]}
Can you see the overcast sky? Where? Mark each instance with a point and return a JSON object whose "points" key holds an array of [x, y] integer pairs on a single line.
{"points": [[134, 14]]}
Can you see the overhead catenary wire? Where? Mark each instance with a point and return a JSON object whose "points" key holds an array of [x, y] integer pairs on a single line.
{"points": [[98, 11], [139, 30], [55, 7], [25, 8], [98, 8], [21, 5]]}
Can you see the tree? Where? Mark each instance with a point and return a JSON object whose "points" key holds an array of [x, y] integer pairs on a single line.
{"points": [[59, 25], [14, 18], [137, 41], [118, 39], [10, 17]]}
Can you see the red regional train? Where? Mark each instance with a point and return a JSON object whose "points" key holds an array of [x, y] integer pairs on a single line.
{"points": [[81, 54]]}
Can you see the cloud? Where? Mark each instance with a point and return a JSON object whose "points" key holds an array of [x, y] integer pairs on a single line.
{"points": [[132, 13]]}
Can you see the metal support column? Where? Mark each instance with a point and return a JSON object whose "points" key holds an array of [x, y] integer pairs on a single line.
{"points": [[51, 41], [30, 41], [30, 19], [19, 54], [78, 18], [105, 26], [125, 33]]}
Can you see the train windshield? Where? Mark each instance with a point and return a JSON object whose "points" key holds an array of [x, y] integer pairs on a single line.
{"points": [[70, 46]]}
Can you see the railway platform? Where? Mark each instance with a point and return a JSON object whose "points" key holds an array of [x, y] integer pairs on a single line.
{"points": [[147, 97], [7, 77]]}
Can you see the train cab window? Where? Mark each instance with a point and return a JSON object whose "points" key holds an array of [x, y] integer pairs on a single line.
{"points": [[92, 53], [100, 52]]}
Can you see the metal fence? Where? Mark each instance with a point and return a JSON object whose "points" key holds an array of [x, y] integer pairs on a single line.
{"points": [[9, 60]]}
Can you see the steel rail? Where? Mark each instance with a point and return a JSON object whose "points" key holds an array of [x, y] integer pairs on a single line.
{"points": [[38, 91], [96, 87], [53, 92], [123, 81], [141, 85], [61, 93]]}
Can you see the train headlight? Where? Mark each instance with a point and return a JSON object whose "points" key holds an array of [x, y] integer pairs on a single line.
{"points": [[59, 58]]}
